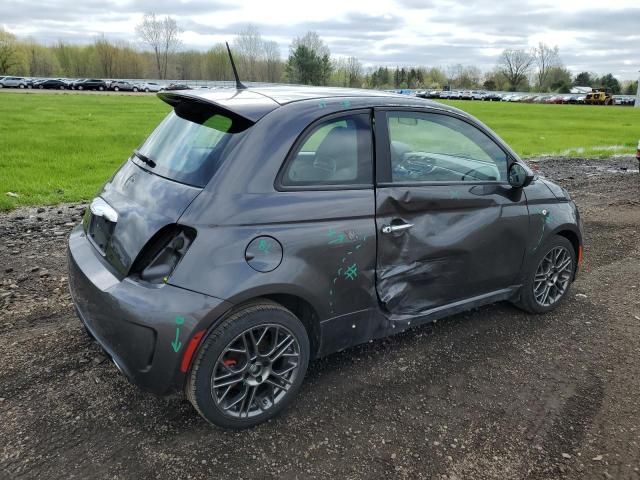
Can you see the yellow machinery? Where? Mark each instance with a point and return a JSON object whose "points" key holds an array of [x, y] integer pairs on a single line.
{"points": [[599, 96]]}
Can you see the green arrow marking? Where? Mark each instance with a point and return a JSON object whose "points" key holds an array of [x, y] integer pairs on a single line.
{"points": [[176, 344]]}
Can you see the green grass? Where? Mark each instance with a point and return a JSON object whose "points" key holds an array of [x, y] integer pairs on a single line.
{"points": [[62, 148], [565, 130]]}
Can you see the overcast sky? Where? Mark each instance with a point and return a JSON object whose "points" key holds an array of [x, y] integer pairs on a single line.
{"points": [[593, 35]]}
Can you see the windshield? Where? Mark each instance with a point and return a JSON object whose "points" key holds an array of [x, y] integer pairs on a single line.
{"points": [[188, 145]]}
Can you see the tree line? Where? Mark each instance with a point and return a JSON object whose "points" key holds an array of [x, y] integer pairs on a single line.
{"points": [[160, 54]]}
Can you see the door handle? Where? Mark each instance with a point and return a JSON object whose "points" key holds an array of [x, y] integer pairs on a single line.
{"points": [[396, 228]]}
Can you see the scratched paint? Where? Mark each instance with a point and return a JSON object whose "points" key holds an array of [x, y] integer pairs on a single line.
{"points": [[547, 218], [347, 269]]}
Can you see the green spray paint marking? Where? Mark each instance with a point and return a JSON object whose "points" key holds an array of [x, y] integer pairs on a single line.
{"points": [[352, 272], [264, 246], [176, 344]]}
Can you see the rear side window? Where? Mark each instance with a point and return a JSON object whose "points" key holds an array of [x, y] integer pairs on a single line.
{"points": [[334, 152], [189, 145]]}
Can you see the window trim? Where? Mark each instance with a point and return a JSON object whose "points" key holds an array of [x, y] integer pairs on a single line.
{"points": [[304, 136], [383, 148]]}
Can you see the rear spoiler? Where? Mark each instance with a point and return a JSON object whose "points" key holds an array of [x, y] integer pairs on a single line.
{"points": [[243, 105]]}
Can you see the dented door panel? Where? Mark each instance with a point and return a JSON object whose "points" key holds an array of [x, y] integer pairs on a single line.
{"points": [[466, 240]]}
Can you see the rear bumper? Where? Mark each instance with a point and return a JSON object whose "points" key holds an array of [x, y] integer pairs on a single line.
{"points": [[145, 330]]}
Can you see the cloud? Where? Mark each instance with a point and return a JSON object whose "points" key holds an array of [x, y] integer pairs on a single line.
{"points": [[388, 32]]}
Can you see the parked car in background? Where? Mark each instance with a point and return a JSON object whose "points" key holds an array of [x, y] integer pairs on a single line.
{"points": [[149, 87], [177, 86], [51, 83], [89, 84], [14, 82], [118, 85], [492, 97], [254, 231]]}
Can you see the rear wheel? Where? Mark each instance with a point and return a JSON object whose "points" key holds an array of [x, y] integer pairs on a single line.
{"points": [[250, 367], [101, 88], [549, 276]]}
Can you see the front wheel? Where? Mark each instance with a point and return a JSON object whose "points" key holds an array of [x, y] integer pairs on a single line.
{"points": [[250, 367], [549, 276], [101, 88]]}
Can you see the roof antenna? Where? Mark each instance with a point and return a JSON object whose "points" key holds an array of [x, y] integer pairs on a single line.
{"points": [[239, 84]]}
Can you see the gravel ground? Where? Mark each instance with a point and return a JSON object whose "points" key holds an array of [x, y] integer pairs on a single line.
{"points": [[494, 393]]}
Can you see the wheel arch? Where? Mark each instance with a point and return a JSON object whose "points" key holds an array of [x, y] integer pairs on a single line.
{"points": [[298, 305], [305, 312], [576, 243]]}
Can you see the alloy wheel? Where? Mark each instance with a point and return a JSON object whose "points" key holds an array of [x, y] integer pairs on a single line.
{"points": [[255, 371], [553, 276]]}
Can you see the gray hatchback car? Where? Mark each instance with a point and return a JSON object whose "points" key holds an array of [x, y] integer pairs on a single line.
{"points": [[257, 229]]}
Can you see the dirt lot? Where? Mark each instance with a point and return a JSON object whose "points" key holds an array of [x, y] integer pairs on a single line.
{"points": [[494, 393]]}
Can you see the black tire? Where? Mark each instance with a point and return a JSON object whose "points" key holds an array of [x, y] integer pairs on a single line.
{"points": [[213, 355], [80, 87], [527, 299], [101, 88], [135, 89], [146, 90]]}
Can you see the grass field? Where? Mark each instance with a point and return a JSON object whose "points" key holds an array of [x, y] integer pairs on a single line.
{"points": [[61, 148]]}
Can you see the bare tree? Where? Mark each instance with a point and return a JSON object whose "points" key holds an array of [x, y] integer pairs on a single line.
{"points": [[515, 66], [106, 53], [313, 42], [163, 36], [354, 72], [273, 61], [250, 48], [546, 58]]}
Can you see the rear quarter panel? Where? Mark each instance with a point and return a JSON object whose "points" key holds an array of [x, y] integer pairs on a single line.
{"points": [[327, 238]]}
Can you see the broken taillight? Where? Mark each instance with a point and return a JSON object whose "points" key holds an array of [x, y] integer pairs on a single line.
{"points": [[161, 255]]}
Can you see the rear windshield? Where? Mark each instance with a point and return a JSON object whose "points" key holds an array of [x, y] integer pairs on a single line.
{"points": [[189, 144]]}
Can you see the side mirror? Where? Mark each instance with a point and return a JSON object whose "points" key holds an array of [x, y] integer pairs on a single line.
{"points": [[520, 175]]}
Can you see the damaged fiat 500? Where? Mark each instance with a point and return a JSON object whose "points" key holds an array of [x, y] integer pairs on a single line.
{"points": [[257, 229]]}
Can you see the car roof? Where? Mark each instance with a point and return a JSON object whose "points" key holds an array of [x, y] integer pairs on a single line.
{"points": [[255, 102]]}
